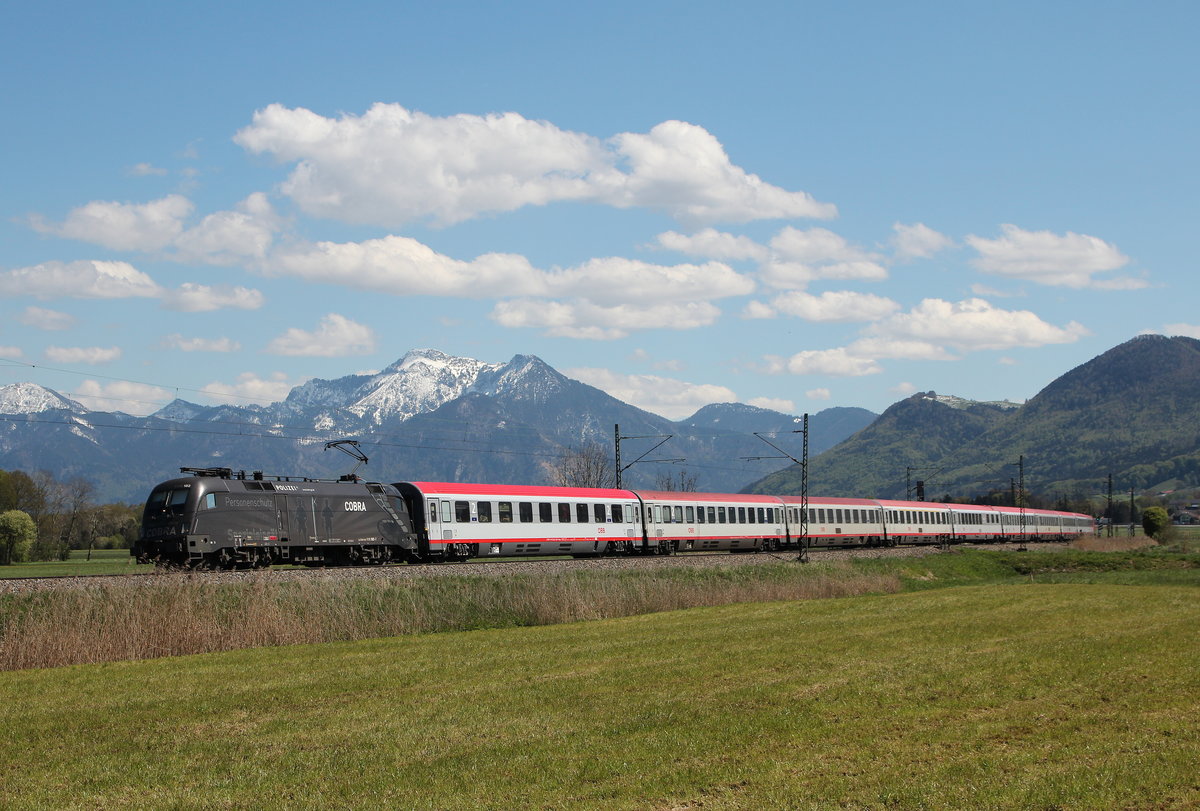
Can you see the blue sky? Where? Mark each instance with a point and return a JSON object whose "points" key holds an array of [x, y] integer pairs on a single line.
{"points": [[797, 205]]}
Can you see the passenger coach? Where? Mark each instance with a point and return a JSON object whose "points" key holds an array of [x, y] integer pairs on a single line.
{"points": [[455, 521]]}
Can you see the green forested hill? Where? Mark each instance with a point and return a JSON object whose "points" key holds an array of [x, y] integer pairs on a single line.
{"points": [[1133, 411]]}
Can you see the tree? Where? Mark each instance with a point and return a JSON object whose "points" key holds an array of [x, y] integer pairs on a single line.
{"points": [[17, 534], [681, 482], [1155, 521], [589, 466]]}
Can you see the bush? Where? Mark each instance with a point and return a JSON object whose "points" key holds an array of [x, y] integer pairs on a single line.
{"points": [[1155, 521], [17, 534]]}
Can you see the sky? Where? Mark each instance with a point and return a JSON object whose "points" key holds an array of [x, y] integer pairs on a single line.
{"points": [[794, 205]]}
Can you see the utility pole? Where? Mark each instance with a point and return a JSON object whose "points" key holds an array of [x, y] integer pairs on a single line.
{"points": [[803, 463], [1109, 513], [1131, 509], [617, 438], [1021, 495]]}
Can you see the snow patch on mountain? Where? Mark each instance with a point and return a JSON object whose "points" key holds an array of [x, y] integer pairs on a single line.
{"points": [[30, 398]]}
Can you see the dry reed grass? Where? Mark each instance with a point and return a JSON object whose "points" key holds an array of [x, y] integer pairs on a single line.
{"points": [[1096, 543], [180, 616]]}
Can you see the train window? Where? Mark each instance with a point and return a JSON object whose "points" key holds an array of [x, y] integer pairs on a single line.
{"points": [[700, 515], [210, 501], [741, 515], [618, 516], [564, 513], [679, 515], [433, 512], [581, 513], [157, 500], [505, 512], [598, 513], [545, 512], [446, 514], [485, 512], [462, 512], [750, 519], [779, 515], [720, 515], [690, 515], [525, 511]]}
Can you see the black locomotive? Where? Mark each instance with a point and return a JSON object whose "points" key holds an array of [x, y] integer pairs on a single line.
{"points": [[217, 518]]}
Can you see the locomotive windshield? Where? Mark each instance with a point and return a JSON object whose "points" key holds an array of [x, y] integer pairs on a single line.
{"points": [[167, 502]]}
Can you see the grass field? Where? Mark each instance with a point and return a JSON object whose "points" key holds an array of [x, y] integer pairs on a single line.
{"points": [[1029, 696], [103, 561]]}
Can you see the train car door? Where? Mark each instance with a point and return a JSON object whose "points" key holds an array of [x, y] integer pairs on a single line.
{"points": [[281, 517]]}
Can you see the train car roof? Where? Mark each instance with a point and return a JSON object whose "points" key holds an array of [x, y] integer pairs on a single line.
{"points": [[517, 490], [927, 505], [853, 502], [684, 495]]}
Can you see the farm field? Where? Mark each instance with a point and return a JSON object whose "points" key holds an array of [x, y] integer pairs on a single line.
{"points": [[1060, 695]]}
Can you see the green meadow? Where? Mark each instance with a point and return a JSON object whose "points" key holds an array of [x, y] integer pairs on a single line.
{"points": [[1003, 691]]}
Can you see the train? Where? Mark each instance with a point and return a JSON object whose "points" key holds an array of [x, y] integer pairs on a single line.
{"points": [[222, 519]]}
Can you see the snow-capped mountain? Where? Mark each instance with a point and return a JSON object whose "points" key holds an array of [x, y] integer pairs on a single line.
{"points": [[30, 398], [417, 383], [428, 416]]}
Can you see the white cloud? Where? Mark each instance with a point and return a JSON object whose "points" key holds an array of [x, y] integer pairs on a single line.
{"points": [[227, 237], [1186, 330], [903, 389], [713, 244], [896, 347], [834, 362], [42, 318], [249, 387], [757, 309], [406, 267], [145, 170], [335, 336], [818, 394], [684, 170], [85, 278], [222, 238], [83, 354], [1068, 260], [391, 166], [199, 298], [917, 241], [674, 399], [972, 325], [11, 352], [801, 256], [123, 226], [991, 292], [614, 280], [774, 404], [177, 341], [582, 319], [138, 399], [834, 305]]}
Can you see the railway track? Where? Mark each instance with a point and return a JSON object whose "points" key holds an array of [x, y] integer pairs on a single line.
{"points": [[477, 567]]}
